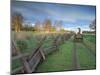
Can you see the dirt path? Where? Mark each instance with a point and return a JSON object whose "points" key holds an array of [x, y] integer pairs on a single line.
{"points": [[70, 56], [75, 59]]}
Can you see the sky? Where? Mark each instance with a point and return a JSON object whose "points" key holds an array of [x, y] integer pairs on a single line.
{"points": [[72, 16]]}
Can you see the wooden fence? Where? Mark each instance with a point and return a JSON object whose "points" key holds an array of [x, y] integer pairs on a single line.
{"points": [[30, 61]]}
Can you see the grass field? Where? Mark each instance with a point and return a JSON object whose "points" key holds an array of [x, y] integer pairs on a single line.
{"points": [[91, 38], [86, 58], [61, 59], [27, 41]]}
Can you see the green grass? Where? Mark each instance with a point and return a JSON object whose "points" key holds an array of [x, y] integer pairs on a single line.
{"points": [[27, 41], [90, 41], [60, 60], [27, 45], [91, 46], [86, 58], [91, 38], [16, 63]]}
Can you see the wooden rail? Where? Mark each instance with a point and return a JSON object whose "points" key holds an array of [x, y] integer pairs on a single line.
{"points": [[30, 61]]}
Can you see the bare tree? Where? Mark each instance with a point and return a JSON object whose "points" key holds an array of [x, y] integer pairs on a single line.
{"points": [[93, 25], [47, 25], [17, 20], [37, 26]]}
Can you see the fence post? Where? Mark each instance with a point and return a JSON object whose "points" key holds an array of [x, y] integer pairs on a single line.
{"points": [[42, 54], [25, 63]]}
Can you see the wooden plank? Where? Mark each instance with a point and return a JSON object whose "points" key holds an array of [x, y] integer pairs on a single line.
{"points": [[42, 54], [49, 50], [26, 66], [25, 63], [20, 56], [33, 59], [38, 47], [36, 63], [37, 53], [16, 70]]}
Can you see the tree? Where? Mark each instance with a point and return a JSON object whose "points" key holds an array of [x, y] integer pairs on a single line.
{"points": [[28, 27], [93, 25], [17, 20], [53, 29], [47, 25], [37, 26], [63, 30]]}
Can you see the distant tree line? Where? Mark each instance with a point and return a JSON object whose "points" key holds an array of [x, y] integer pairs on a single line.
{"points": [[17, 25], [88, 32], [92, 26]]}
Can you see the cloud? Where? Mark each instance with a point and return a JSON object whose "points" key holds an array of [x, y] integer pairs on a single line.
{"points": [[64, 13], [70, 16], [75, 28]]}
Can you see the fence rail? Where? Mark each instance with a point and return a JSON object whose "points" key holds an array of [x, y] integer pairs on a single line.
{"points": [[30, 61]]}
